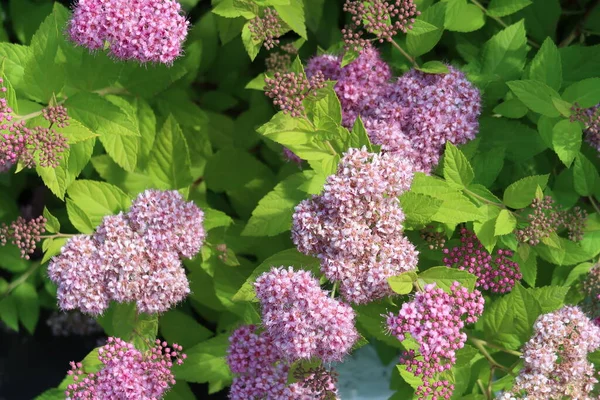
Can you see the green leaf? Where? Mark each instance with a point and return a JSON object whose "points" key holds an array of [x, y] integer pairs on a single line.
{"points": [[403, 283], [9, 314], [566, 140], [504, 54], [233, 9], [457, 169], [52, 247], [79, 218], [28, 305], [52, 224], [420, 43], [232, 169], [536, 95], [359, 137], [505, 223], [585, 93], [456, 208], [586, 177], [215, 219], [206, 362], [463, 17], [293, 15], [520, 141], [546, 66], [76, 132], [502, 8], [444, 277], [98, 199], [520, 193], [485, 227], [419, 208], [434, 67], [14, 57], [550, 298], [181, 328], [44, 76], [528, 267], [169, 162], [580, 62], [513, 108], [285, 258], [273, 215]]}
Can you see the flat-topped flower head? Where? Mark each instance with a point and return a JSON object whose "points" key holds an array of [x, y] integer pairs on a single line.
{"points": [[267, 28], [143, 30]]}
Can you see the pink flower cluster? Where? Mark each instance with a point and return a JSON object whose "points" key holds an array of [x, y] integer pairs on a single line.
{"points": [[355, 226], [556, 365], [133, 257], [267, 28], [262, 373], [381, 18], [303, 321], [56, 115], [413, 116], [288, 90], [546, 220], [127, 373], [23, 234], [142, 30], [434, 319], [497, 274], [590, 117]]}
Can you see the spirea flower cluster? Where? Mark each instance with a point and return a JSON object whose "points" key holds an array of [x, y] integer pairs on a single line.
{"points": [[590, 117], [414, 116], [303, 321], [127, 373], [355, 226], [288, 90], [591, 289], [261, 371], [267, 28], [556, 365], [382, 18], [281, 61], [435, 319], [142, 30], [132, 257], [23, 234], [546, 219], [497, 273]]}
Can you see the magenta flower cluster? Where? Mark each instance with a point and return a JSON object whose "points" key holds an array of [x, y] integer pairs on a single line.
{"points": [[142, 30], [498, 273], [302, 320], [556, 364], [435, 319], [132, 257], [355, 226], [590, 118], [261, 371], [127, 373], [382, 18], [414, 115], [23, 234], [56, 115]]}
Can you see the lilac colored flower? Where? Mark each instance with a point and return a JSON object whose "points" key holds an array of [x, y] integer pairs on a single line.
{"points": [[556, 365], [355, 225], [167, 222], [267, 28], [261, 372], [23, 234], [329, 65], [291, 157], [288, 90], [591, 289], [435, 319], [302, 320], [127, 373], [381, 18], [590, 118], [497, 274], [142, 30]]}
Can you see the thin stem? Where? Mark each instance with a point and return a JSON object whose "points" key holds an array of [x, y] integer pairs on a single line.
{"points": [[405, 54], [13, 285], [335, 285], [418, 286], [495, 346], [594, 204], [333, 152], [577, 30], [482, 388], [58, 235], [501, 22], [490, 381], [487, 355]]}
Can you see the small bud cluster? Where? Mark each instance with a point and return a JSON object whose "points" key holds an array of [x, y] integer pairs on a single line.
{"points": [[556, 365], [23, 234], [434, 238], [590, 117], [261, 372], [355, 226], [56, 115], [142, 30], [133, 257], [281, 61], [303, 321], [267, 28], [288, 90], [127, 373], [591, 288], [434, 319], [72, 323], [414, 116], [381, 18], [497, 274], [546, 220]]}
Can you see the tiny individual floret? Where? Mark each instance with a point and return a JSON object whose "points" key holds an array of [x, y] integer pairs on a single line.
{"points": [[23, 234], [127, 373], [142, 30], [381, 18], [435, 319], [56, 115], [497, 273], [288, 90], [555, 358], [303, 321], [267, 28]]}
